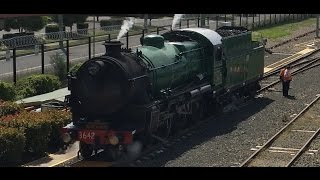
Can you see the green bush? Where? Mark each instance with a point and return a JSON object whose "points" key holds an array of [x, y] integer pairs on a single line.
{"points": [[75, 68], [82, 28], [7, 91], [82, 25], [32, 23], [105, 23], [42, 129], [59, 65], [53, 28], [111, 22], [11, 23], [9, 108], [37, 84], [58, 119], [12, 145], [36, 127]]}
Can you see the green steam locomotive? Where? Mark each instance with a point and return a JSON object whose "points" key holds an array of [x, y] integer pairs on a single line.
{"points": [[123, 100]]}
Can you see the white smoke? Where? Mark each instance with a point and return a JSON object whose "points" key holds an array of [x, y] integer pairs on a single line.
{"points": [[127, 24], [134, 149], [176, 19]]}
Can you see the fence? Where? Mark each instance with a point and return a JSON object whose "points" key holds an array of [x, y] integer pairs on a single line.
{"points": [[80, 45]]}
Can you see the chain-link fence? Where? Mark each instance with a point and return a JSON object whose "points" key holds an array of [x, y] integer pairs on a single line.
{"points": [[24, 55]]}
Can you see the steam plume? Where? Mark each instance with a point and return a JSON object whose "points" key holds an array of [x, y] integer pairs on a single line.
{"points": [[176, 19], [127, 24]]}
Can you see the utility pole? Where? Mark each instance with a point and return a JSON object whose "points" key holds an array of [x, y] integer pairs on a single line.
{"points": [[317, 30], [145, 24], [60, 22], [202, 21], [94, 38]]}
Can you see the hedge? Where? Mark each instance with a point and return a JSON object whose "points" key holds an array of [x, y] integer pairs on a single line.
{"points": [[9, 108], [82, 25], [82, 28], [7, 91], [53, 28], [57, 119], [111, 22], [12, 142], [36, 128], [41, 129], [37, 84]]}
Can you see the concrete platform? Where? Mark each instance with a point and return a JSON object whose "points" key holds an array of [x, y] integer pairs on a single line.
{"points": [[55, 95], [57, 158]]}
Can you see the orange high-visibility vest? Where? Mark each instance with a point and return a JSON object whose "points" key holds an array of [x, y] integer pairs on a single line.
{"points": [[287, 77]]}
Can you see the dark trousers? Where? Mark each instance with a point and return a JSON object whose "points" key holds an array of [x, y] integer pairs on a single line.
{"points": [[285, 87]]}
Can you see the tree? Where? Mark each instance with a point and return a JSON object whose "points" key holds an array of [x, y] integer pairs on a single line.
{"points": [[69, 20], [32, 23], [11, 23], [59, 65]]}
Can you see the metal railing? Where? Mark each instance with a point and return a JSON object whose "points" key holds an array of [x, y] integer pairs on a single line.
{"points": [[43, 38]]}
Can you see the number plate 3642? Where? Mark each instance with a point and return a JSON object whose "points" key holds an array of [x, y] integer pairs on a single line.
{"points": [[86, 135]]}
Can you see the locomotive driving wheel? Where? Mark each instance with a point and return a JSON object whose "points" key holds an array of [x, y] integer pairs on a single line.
{"points": [[197, 112], [165, 130], [162, 133], [180, 123]]}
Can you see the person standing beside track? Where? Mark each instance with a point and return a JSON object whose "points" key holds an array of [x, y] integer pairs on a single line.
{"points": [[286, 78]]}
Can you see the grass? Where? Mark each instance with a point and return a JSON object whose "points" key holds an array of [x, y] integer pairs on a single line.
{"points": [[281, 30]]}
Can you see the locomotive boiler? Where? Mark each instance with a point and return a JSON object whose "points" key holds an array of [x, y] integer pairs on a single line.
{"points": [[171, 81]]}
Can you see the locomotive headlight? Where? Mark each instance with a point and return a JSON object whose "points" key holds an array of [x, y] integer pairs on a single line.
{"points": [[93, 68], [66, 137]]}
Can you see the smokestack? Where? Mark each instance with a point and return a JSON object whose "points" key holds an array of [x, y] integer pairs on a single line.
{"points": [[113, 48]]}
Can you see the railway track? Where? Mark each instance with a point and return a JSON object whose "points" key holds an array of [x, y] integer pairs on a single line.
{"points": [[286, 146], [271, 79]]}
